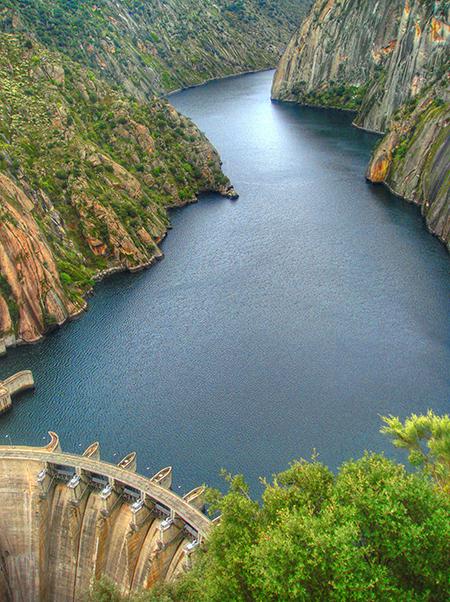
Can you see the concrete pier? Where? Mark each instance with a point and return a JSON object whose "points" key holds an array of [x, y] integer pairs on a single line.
{"points": [[22, 381]]}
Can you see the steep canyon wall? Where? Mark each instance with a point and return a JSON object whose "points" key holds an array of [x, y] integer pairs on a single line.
{"points": [[388, 61]]}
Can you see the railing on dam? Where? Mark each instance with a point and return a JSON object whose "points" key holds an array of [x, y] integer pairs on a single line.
{"points": [[88, 472]]}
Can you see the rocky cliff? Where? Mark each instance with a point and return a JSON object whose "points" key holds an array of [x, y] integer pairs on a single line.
{"points": [[86, 176], [388, 61], [160, 46], [413, 159], [90, 159]]}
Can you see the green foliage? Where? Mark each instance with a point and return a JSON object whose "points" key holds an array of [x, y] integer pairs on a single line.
{"points": [[104, 590], [237, 6], [71, 273], [336, 95], [6, 293], [373, 532], [427, 441], [106, 163], [401, 149], [158, 47]]}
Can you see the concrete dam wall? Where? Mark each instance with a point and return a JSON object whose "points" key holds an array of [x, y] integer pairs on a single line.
{"points": [[66, 520], [22, 381]]}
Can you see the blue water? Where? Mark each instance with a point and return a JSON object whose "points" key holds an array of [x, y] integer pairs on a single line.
{"points": [[281, 323]]}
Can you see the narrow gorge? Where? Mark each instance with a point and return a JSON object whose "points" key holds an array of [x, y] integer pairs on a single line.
{"points": [[389, 62], [299, 327], [90, 158]]}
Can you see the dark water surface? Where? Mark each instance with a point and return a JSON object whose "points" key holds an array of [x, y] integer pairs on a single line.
{"points": [[286, 321]]}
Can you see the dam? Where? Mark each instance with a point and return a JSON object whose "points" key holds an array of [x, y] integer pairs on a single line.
{"points": [[13, 385], [66, 520]]}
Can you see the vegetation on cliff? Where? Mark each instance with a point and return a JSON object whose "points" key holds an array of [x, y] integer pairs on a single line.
{"points": [[86, 176], [374, 531], [389, 63], [90, 159], [156, 46]]}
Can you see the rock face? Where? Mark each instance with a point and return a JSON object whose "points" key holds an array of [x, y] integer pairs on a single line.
{"points": [[336, 52], [413, 159], [387, 60], [86, 177], [32, 293], [160, 46]]}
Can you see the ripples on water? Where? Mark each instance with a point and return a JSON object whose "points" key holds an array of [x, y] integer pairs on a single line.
{"points": [[286, 321]]}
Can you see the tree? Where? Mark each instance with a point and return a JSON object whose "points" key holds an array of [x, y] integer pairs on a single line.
{"points": [[427, 440], [372, 532]]}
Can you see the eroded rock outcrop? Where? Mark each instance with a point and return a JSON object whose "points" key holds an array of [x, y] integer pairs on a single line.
{"points": [[387, 60], [32, 296], [413, 160], [86, 177]]}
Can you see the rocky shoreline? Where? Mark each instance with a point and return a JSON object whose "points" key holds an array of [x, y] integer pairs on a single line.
{"points": [[88, 194], [11, 341], [389, 65]]}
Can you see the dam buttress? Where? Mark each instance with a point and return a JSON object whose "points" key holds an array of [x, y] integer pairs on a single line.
{"points": [[66, 520]]}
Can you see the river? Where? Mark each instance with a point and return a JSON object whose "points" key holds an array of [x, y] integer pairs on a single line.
{"points": [[287, 321]]}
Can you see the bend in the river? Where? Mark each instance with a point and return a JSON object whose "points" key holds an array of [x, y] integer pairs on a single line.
{"points": [[287, 321]]}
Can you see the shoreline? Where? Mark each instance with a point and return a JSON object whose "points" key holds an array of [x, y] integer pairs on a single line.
{"points": [[368, 130], [377, 133], [11, 342], [410, 202], [311, 106], [217, 79]]}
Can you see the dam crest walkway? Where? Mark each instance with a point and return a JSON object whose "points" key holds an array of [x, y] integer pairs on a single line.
{"points": [[51, 456]]}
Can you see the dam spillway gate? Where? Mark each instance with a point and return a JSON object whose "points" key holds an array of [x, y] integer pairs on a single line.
{"points": [[66, 520]]}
